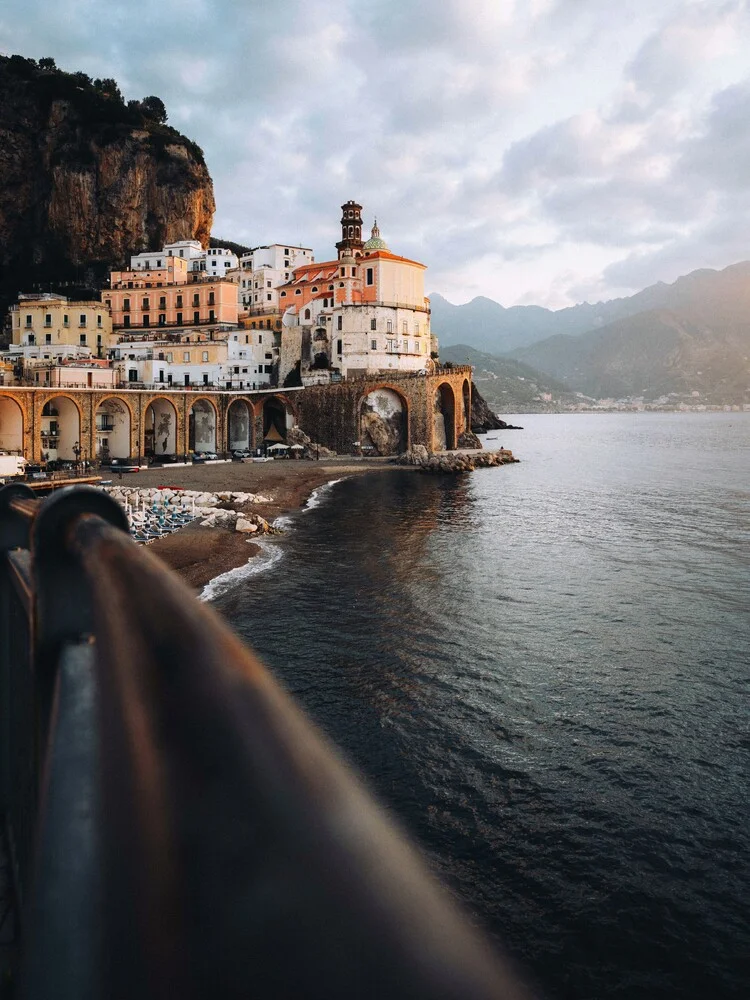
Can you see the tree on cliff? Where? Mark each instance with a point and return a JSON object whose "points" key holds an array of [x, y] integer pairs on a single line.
{"points": [[154, 108]]}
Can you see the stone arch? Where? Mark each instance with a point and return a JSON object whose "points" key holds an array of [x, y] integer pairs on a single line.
{"points": [[61, 422], [444, 419], [113, 418], [159, 427], [466, 396], [203, 422], [278, 416], [384, 421], [240, 421], [11, 425]]}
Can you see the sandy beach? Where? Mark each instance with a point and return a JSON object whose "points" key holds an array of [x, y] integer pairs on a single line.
{"points": [[199, 554]]}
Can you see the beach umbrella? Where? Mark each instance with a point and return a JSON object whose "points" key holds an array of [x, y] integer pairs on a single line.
{"points": [[278, 447], [298, 447]]}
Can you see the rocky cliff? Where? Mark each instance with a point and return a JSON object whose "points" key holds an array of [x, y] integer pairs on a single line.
{"points": [[86, 180]]}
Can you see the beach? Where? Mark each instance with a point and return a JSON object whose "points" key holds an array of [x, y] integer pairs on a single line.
{"points": [[199, 554]]}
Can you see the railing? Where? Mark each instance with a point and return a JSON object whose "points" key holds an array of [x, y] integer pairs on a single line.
{"points": [[194, 835]]}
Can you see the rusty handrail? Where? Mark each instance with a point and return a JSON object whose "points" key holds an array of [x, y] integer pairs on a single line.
{"points": [[222, 848]]}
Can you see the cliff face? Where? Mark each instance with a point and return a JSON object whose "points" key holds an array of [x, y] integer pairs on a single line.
{"points": [[85, 180]]}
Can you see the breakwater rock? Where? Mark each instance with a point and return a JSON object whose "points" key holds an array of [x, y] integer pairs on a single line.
{"points": [[455, 462]]}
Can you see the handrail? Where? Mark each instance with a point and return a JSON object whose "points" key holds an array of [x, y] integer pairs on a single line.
{"points": [[197, 837]]}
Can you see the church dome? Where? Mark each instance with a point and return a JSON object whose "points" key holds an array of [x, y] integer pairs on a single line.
{"points": [[375, 242]]}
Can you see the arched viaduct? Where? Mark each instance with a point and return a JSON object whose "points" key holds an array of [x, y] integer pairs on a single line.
{"points": [[57, 421]]}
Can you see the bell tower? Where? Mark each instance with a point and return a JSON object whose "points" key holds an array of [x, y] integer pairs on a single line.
{"points": [[351, 230]]}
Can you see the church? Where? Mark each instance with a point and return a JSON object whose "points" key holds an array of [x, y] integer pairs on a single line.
{"points": [[361, 314]]}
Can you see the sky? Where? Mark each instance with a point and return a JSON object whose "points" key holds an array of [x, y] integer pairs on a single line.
{"points": [[533, 151]]}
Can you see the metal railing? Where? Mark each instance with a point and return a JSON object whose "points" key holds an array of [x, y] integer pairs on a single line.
{"points": [[194, 835]]}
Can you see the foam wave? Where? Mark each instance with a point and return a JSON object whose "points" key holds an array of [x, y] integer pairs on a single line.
{"points": [[318, 495], [283, 522], [268, 556]]}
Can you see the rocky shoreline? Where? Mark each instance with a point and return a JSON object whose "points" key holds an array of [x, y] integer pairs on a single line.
{"points": [[455, 462]]}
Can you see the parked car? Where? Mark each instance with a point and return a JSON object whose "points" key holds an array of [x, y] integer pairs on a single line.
{"points": [[242, 453]]}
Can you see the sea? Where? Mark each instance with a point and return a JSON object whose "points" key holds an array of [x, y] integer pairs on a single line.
{"points": [[543, 672]]}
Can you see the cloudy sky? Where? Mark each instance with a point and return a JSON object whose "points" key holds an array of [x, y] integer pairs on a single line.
{"points": [[534, 151]]}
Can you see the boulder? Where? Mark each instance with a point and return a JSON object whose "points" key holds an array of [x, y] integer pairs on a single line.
{"points": [[244, 525]]}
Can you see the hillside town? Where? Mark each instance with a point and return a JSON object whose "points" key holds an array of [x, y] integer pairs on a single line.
{"points": [[197, 351], [184, 316]]}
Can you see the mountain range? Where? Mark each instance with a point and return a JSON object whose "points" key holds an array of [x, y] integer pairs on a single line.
{"points": [[690, 338]]}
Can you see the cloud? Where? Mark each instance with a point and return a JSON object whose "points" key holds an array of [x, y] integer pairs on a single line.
{"points": [[497, 140]]}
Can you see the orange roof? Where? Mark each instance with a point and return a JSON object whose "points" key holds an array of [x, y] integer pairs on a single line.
{"points": [[387, 255]]}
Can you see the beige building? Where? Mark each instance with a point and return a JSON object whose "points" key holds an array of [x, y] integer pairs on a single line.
{"points": [[39, 320]]}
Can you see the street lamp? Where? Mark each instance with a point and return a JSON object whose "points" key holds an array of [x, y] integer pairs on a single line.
{"points": [[77, 453]]}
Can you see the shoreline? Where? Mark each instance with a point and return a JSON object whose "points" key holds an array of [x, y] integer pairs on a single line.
{"points": [[200, 554]]}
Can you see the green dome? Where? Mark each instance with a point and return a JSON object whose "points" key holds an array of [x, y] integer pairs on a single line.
{"points": [[375, 242]]}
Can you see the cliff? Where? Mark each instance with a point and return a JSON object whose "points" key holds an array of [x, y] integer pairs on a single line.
{"points": [[86, 180]]}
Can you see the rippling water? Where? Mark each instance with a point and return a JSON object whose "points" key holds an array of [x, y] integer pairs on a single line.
{"points": [[544, 671]]}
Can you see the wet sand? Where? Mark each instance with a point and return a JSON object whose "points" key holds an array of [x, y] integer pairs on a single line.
{"points": [[200, 554]]}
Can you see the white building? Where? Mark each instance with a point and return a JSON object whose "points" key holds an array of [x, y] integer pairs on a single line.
{"points": [[216, 261], [364, 313], [263, 269]]}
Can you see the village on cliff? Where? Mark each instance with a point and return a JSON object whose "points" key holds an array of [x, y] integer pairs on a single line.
{"points": [[195, 351]]}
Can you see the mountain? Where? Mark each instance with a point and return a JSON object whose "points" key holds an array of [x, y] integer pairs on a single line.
{"points": [[86, 179], [703, 296], [655, 354], [507, 385]]}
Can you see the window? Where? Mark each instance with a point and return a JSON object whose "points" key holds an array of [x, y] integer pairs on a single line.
{"points": [[205, 355], [186, 377], [162, 302], [211, 316], [48, 319], [145, 305], [404, 328], [169, 357], [158, 263], [389, 326], [307, 314], [186, 356], [196, 317], [145, 319], [196, 300], [260, 338], [267, 369], [237, 370], [416, 329], [373, 324], [179, 319], [66, 318], [339, 322], [247, 339], [126, 320], [205, 378], [161, 374], [268, 296], [179, 302], [314, 288], [28, 321], [298, 291], [373, 345], [211, 298], [132, 375], [268, 284], [48, 338], [339, 346], [369, 276], [125, 308], [283, 295], [162, 319], [99, 320], [82, 319]]}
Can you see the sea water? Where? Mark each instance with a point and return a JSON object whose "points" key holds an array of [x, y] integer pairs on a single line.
{"points": [[543, 670]]}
